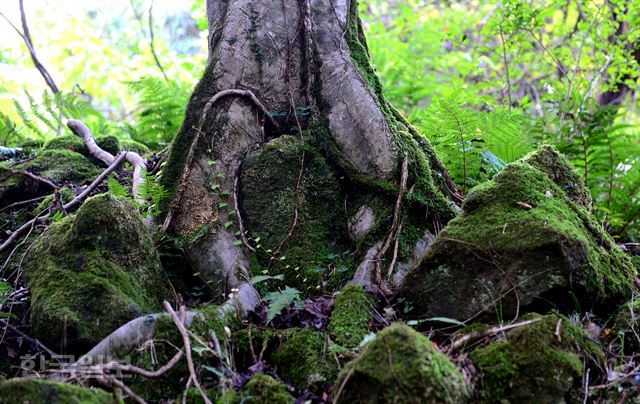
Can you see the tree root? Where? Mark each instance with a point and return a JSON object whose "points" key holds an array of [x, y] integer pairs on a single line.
{"points": [[138, 163], [135, 332]]}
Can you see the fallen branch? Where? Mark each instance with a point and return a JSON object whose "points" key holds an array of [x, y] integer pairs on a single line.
{"points": [[478, 335], [28, 201], [187, 349], [38, 179]]}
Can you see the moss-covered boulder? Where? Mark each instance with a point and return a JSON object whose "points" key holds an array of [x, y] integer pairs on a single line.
{"points": [[627, 326], [351, 315], [38, 391], [92, 272], [400, 366], [264, 389], [61, 166], [525, 237], [269, 196], [302, 358], [539, 362]]}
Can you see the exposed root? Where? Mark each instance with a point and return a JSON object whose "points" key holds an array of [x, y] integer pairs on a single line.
{"points": [[131, 335], [138, 163], [394, 231], [205, 110]]}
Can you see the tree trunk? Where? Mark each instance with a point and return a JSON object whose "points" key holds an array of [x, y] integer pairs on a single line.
{"points": [[289, 148]]}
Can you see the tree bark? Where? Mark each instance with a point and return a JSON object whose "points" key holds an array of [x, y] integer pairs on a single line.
{"points": [[300, 68]]}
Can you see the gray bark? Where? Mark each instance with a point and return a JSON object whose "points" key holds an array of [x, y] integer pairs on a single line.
{"points": [[290, 55]]}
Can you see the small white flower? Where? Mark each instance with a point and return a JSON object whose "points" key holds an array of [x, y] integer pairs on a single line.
{"points": [[549, 88]]}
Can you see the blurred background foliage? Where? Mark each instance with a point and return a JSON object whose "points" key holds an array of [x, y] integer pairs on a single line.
{"points": [[485, 81]]}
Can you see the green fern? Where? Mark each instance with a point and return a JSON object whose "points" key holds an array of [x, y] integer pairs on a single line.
{"points": [[117, 189], [474, 145], [278, 301], [152, 191], [162, 105]]}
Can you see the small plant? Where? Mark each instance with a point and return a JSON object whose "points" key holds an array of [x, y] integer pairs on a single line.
{"points": [[278, 301]]}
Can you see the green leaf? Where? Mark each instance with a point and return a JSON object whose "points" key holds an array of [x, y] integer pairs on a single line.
{"points": [[261, 278], [278, 301]]}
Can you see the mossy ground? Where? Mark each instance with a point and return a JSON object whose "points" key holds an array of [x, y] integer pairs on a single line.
{"points": [[92, 272], [539, 362], [351, 315], [302, 358], [521, 228], [43, 391], [400, 365], [263, 389]]}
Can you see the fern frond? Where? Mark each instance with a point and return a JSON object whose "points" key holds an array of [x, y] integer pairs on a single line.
{"points": [[278, 301]]}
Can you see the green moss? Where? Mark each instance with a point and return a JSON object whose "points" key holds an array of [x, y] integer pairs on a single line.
{"points": [[263, 389], [301, 358], [61, 166], [67, 142], [400, 365], [520, 228], [92, 272], [351, 316], [66, 196], [37, 391], [269, 178], [534, 363], [133, 146]]}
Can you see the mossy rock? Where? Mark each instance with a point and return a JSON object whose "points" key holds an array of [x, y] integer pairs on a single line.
{"points": [[264, 389], [627, 325], [133, 146], [92, 272], [530, 228], [539, 362], [351, 315], [38, 391], [301, 359], [400, 366], [269, 178], [61, 166]]}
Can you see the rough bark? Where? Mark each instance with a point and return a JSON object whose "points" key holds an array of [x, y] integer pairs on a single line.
{"points": [[295, 67]]}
